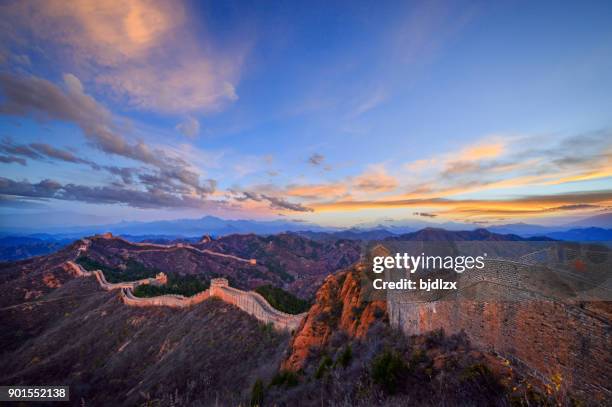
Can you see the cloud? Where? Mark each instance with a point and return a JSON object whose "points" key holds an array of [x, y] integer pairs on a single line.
{"points": [[425, 214], [316, 159], [273, 201], [281, 203], [189, 86], [317, 191], [63, 155], [73, 84], [126, 174], [7, 146], [132, 49], [103, 30], [375, 179], [420, 165], [49, 189], [482, 151], [370, 102], [43, 189], [513, 162], [190, 127], [7, 159], [575, 207], [43, 151], [22, 59], [167, 181], [12, 202], [462, 208], [43, 100]]}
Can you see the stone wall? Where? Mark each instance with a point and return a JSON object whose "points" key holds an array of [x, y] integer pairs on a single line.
{"points": [[248, 301], [546, 336], [79, 271], [256, 305], [168, 300]]}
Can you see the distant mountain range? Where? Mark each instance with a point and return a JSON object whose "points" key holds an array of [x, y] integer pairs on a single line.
{"points": [[22, 247], [16, 243], [442, 235], [180, 227], [218, 227]]}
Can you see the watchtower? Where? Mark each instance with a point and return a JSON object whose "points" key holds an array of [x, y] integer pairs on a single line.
{"points": [[219, 282], [217, 285]]}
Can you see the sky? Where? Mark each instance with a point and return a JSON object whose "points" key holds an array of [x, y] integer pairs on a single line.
{"points": [[335, 113]]}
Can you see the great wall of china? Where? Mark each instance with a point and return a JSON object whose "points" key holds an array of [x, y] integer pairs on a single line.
{"points": [[248, 301], [564, 344]]}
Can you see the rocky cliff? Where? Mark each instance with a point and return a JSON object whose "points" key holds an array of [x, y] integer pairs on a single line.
{"points": [[340, 306]]}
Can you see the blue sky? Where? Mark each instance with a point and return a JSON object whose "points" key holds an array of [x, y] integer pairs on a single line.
{"points": [[333, 113]]}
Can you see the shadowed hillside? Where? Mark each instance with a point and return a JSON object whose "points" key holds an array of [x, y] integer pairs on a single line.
{"points": [[86, 338]]}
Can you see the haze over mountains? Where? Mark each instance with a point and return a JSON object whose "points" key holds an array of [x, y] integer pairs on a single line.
{"points": [[19, 243], [216, 226]]}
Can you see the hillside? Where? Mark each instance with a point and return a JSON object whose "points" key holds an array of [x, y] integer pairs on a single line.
{"points": [[111, 354], [298, 264], [21, 247], [294, 263]]}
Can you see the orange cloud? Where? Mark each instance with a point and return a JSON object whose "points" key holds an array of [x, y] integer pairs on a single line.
{"points": [[104, 30], [420, 165], [317, 191], [482, 151], [138, 45], [529, 205], [375, 179]]}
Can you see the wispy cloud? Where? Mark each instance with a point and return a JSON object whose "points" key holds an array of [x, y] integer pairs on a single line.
{"points": [[49, 189], [43, 100], [425, 214], [527, 205], [190, 127], [316, 159], [512, 162], [375, 179], [7, 159], [317, 191], [275, 202], [492, 164]]}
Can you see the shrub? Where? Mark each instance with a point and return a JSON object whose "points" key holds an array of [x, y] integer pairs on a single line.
{"points": [[285, 378], [257, 393], [345, 357], [324, 366], [388, 370], [275, 267], [358, 310], [283, 300], [418, 356], [181, 285], [133, 270], [379, 313], [481, 376]]}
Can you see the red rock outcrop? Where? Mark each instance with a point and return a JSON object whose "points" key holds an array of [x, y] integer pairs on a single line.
{"points": [[340, 305]]}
